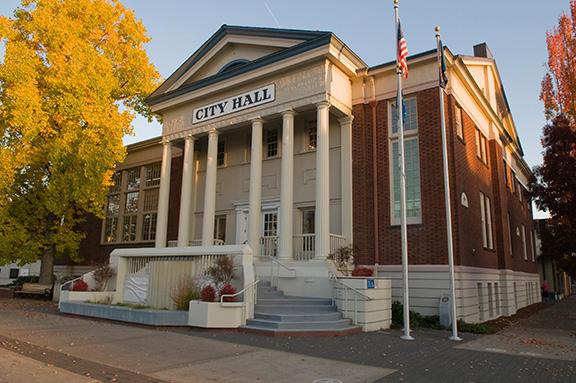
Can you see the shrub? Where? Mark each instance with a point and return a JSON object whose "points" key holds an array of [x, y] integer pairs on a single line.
{"points": [[18, 282], [476, 328], [102, 275], [222, 272], [79, 285], [185, 292], [208, 294], [228, 289], [342, 257], [362, 271]]}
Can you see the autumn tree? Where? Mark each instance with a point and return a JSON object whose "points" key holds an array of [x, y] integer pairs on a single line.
{"points": [[73, 76]]}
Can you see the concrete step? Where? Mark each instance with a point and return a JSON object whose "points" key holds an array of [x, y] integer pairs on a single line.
{"points": [[315, 325], [293, 309], [294, 301], [298, 332], [314, 317]]}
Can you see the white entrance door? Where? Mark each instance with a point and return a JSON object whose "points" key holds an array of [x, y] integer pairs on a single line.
{"points": [[242, 227], [270, 233]]}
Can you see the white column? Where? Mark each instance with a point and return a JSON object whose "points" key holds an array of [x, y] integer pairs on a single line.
{"points": [[346, 177], [187, 193], [255, 198], [322, 213], [164, 194], [210, 190], [286, 186]]}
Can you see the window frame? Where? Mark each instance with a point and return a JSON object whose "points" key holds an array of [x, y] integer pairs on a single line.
{"points": [[268, 143], [221, 156], [481, 146], [393, 137], [524, 243], [459, 122], [311, 131], [486, 222]]}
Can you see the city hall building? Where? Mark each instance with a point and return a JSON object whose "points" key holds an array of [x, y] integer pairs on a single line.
{"points": [[287, 141]]}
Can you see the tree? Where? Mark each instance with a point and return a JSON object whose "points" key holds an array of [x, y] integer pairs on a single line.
{"points": [[74, 74], [559, 84], [554, 189]]}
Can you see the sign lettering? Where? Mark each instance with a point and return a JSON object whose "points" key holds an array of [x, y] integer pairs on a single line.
{"points": [[233, 104]]}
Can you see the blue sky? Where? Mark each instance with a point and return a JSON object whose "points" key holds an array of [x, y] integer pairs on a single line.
{"points": [[514, 29]]}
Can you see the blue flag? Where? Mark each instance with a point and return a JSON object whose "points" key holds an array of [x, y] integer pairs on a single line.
{"points": [[442, 77]]}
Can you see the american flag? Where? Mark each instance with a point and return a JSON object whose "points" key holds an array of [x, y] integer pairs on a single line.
{"points": [[402, 52]]}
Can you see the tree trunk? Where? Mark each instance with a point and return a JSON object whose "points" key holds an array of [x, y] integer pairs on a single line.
{"points": [[47, 267]]}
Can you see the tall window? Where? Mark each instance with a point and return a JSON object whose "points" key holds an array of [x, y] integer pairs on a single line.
{"points": [[486, 221], [311, 137], [271, 143], [220, 227], [412, 154], [221, 153], [131, 208], [524, 245], [270, 224], [308, 221], [458, 122], [510, 234], [481, 148]]}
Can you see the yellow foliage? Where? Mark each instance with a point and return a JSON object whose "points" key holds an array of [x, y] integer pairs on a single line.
{"points": [[74, 74]]}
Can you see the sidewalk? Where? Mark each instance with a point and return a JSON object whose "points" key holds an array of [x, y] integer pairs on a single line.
{"points": [[106, 352]]}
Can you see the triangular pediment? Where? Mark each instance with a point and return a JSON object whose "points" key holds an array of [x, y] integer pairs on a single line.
{"points": [[235, 49]]}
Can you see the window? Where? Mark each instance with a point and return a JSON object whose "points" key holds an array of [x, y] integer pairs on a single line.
{"points": [[458, 122], [486, 221], [220, 227], [481, 149], [308, 220], [14, 273], [221, 153], [311, 136], [532, 250], [270, 224], [271, 143], [131, 207], [524, 247], [510, 234], [412, 163], [505, 171]]}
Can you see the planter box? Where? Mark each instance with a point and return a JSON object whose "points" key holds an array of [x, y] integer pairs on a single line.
{"points": [[126, 314], [373, 314], [216, 315], [85, 296]]}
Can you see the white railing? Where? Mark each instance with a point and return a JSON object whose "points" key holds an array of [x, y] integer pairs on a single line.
{"points": [[269, 246], [275, 267], [250, 296], [196, 242], [336, 242], [346, 299], [304, 247], [167, 268]]}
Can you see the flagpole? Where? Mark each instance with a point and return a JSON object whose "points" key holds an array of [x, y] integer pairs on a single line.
{"points": [[403, 225], [447, 194]]}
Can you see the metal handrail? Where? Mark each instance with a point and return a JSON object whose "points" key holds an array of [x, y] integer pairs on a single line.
{"points": [[239, 292], [274, 261], [333, 277]]}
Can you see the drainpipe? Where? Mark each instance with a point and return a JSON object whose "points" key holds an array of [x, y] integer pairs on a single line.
{"points": [[373, 104]]}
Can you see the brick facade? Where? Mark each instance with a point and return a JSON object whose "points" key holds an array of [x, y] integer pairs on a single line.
{"points": [[468, 174]]}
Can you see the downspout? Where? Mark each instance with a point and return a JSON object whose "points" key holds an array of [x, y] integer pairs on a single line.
{"points": [[373, 104]]}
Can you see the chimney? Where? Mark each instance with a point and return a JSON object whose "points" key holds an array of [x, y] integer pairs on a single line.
{"points": [[482, 50]]}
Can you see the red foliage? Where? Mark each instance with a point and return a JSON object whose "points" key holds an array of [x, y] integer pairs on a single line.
{"points": [[208, 294], [80, 285], [228, 289], [361, 271]]}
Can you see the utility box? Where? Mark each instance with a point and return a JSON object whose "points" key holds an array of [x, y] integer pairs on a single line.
{"points": [[445, 311]]}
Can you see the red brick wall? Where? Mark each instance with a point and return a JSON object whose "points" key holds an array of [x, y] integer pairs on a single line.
{"points": [[468, 174]]}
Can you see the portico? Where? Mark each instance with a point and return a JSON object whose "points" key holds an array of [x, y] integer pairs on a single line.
{"points": [[279, 132]]}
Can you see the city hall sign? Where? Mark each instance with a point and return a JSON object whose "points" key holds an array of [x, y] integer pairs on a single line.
{"points": [[234, 104]]}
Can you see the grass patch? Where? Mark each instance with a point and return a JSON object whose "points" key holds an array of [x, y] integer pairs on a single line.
{"points": [[418, 320]]}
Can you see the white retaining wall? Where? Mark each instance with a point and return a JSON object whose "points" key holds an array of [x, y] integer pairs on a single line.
{"points": [[501, 292]]}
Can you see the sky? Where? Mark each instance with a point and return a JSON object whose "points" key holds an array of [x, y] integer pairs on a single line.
{"points": [[515, 31]]}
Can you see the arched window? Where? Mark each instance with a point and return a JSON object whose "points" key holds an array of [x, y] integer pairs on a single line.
{"points": [[233, 65]]}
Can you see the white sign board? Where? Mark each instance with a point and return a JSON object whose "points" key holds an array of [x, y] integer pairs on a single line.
{"points": [[234, 104]]}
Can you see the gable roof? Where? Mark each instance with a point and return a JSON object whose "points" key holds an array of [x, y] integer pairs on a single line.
{"points": [[305, 41]]}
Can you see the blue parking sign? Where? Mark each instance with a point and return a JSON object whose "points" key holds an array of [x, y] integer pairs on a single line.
{"points": [[370, 283]]}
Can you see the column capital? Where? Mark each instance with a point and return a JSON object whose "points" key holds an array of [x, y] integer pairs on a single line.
{"points": [[165, 141], [346, 120], [323, 104], [257, 120], [213, 131], [288, 112], [189, 136]]}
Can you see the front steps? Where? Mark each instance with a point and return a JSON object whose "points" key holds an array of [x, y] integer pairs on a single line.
{"points": [[279, 315]]}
